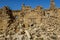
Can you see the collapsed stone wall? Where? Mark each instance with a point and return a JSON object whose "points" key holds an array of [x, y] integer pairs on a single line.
{"points": [[35, 24]]}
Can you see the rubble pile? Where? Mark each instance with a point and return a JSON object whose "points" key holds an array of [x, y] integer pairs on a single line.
{"points": [[46, 31], [30, 24], [49, 29]]}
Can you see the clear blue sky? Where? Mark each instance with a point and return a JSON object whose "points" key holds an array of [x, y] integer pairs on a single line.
{"points": [[16, 4]]}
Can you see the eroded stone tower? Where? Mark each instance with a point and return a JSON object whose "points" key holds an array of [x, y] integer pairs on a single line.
{"points": [[52, 4]]}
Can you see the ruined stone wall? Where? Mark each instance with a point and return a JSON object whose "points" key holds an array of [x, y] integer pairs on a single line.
{"points": [[30, 24]]}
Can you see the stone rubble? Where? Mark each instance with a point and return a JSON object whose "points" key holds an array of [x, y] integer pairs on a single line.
{"points": [[30, 24]]}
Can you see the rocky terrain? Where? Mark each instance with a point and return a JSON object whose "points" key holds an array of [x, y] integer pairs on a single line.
{"points": [[48, 29], [30, 24]]}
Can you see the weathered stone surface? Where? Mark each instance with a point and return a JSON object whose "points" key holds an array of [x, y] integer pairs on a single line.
{"points": [[30, 24]]}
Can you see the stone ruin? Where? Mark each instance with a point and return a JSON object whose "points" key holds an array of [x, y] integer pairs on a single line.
{"points": [[30, 24]]}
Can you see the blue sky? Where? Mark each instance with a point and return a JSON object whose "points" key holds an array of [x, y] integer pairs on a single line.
{"points": [[16, 4]]}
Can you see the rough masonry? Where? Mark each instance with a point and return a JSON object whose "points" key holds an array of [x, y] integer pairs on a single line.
{"points": [[30, 24]]}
